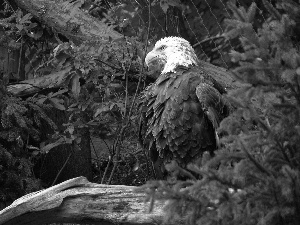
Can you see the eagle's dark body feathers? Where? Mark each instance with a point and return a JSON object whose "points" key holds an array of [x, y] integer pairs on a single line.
{"points": [[181, 112]]}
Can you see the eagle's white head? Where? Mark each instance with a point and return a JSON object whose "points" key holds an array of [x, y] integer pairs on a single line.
{"points": [[171, 52]]}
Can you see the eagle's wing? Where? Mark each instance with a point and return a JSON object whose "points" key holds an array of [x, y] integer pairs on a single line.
{"points": [[213, 104]]}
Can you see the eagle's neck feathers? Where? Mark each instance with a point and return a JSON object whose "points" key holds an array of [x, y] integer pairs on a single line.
{"points": [[179, 59]]}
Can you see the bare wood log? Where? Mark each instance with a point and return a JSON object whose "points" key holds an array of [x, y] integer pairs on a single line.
{"points": [[28, 87], [79, 201], [67, 18]]}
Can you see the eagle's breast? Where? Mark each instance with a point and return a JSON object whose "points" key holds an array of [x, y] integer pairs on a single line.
{"points": [[176, 123]]}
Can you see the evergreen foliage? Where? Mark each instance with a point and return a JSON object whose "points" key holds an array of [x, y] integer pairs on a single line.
{"points": [[254, 178]]}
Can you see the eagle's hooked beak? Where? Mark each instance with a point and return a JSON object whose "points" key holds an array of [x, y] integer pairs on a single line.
{"points": [[154, 61], [151, 57]]}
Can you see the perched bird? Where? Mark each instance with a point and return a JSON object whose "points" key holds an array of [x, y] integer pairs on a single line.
{"points": [[182, 108]]}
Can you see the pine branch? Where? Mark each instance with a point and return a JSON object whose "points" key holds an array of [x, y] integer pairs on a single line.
{"points": [[274, 12], [253, 160]]}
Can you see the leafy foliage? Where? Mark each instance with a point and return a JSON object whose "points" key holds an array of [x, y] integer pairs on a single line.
{"points": [[254, 178], [100, 91]]}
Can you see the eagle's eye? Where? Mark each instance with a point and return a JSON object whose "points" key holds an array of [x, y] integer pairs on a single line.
{"points": [[163, 47]]}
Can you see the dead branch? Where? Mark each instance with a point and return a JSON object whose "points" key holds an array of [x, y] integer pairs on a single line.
{"points": [[79, 201]]}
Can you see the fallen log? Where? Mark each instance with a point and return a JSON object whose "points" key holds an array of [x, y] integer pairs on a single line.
{"points": [[80, 201], [67, 18], [36, 85]]}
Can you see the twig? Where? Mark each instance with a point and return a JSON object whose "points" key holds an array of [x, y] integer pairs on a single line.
{"points": [[20, 60], [92, 143], [106, 169], [126, 90], [120, 136], [61, 169], [111, 66]]}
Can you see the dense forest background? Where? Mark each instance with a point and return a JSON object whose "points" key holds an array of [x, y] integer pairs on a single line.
{"points": [[71, 73]]}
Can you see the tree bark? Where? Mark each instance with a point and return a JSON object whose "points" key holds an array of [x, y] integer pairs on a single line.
{"points": [[79, 201], [66, 18]]}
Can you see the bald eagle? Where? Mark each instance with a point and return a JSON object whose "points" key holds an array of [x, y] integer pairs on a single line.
{"points": [[182, 108]]}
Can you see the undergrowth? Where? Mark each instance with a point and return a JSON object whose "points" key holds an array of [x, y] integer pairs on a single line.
{"points": [[20, 125]]}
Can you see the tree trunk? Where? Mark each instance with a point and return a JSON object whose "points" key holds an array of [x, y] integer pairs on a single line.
{"points": [[79, 201], [66, 18]]}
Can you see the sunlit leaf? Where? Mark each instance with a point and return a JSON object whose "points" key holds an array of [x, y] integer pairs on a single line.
{"points": [[136, 166], [75, 85], [57, 103], [48, 147], [100, 110]]}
